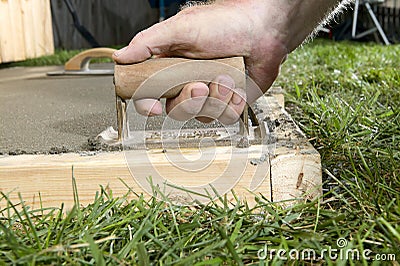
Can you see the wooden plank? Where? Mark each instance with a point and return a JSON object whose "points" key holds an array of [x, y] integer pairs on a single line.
{"points": [[43, 29], [25, 30], [285, 168], [3, 29], [11, 39], [29, 26], [6, 38], [278, 94], [51, 175], [17, 29], [295, 164]]}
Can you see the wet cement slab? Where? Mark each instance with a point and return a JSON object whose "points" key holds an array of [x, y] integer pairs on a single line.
{"points": [[41, 114], [46, 114]]}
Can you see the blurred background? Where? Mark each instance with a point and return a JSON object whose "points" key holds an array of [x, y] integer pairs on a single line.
{"points": [[32, 28], [116, 22]]}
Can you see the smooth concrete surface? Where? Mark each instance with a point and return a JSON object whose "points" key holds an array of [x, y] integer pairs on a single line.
{"points": [[46, 114], [41, 114]]}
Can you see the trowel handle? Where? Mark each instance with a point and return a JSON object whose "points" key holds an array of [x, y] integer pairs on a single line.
{"points": [[165, 77], [81, 60]]}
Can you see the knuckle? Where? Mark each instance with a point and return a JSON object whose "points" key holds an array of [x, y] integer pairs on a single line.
{"points": [[215, 105], [230, 116]]}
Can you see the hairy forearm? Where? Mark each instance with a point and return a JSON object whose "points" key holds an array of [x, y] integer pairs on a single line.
{"points": [[303, 17], [291, 21]]}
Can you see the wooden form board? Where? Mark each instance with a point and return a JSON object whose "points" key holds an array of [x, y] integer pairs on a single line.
{"points": [[25, 29], [287, 168]]}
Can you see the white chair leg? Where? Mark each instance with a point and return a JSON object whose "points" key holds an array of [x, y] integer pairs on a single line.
{"points": [[355, 17], [377, 24]]}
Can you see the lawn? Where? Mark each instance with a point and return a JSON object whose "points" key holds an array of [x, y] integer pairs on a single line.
{"points": [[346, 98]]}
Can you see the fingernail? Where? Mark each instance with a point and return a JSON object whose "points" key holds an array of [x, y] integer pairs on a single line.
{"points": [[120, 51], [236, 99], [225, 85], [198, 94], [155, 110], [152, 113], [223, 90]]}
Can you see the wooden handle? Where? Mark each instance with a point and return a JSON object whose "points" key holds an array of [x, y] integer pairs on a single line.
{"points": [[81, 60], [165, 77]]}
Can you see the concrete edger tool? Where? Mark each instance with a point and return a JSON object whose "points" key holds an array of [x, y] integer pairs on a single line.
{"points": [[165, 77]]}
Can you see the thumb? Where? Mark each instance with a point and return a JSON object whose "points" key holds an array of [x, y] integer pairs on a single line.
{"points": [[155, 40]]}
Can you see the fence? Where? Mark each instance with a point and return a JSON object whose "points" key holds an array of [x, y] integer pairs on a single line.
{"points": [[110, 22], [387, 13], [25, 29], [389, 17]]}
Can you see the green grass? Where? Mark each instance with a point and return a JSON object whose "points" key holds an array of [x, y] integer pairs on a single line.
{"points": [[345, 97], [58, 58]]}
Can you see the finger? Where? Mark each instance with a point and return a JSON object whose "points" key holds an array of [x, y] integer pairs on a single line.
{"points": [[235, 107], [152, 41], [221, 91], [148, 107], [189, 102]]}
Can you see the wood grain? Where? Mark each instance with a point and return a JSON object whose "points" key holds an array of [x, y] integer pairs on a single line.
{"points": [[287, 169], [80, 60], [25, 30], [165, 77]]}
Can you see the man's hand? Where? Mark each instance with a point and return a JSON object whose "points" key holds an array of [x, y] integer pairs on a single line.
{"points": [[207, 31], [262, 31]]}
